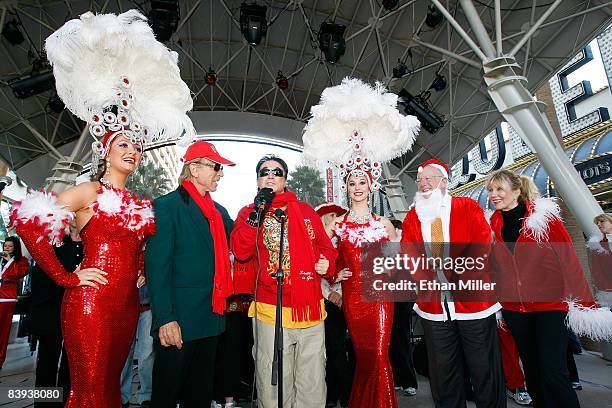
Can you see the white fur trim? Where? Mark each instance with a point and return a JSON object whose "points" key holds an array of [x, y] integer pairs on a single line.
{"points": [[110, 201], [545, 210], [46, 211], [592, 322], [374, 231], [594, 244], [355, 106], [604, 298]]}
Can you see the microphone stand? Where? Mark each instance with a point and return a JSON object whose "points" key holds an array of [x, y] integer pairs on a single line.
{"points": [[277, 360]]}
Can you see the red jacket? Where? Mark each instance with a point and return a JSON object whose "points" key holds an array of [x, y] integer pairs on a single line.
{"points": [[467, 225], [243, 246], [13, 271], [544, 269]]}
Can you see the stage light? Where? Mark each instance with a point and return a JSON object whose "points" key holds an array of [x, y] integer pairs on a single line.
{"points": [[211, 77], [38, 81], [400, 70], [253, 23], [164, 18], [418, 106], [439, 83], [390, 4], [12, 33], [55, 104], [434, 17], [331, 41], [282, 81]]}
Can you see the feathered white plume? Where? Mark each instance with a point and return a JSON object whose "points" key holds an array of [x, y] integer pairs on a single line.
{"points": [[43, 208], [354, 106], [592, 322], [90, 55], [536, 225]]}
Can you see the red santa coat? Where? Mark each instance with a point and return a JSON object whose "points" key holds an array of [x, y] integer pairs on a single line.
{"points": [[467, 225], [539, 277], [12, 272]]}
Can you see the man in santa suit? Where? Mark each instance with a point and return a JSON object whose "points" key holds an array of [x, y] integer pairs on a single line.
{"points": [[459, 334]]}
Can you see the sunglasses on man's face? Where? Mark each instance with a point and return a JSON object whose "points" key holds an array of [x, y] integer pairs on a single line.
{"points": [[276, 171], [215, 166]]}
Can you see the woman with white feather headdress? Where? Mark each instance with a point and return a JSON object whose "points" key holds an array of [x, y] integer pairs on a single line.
{"points": [[357, 127], [111, 72]]}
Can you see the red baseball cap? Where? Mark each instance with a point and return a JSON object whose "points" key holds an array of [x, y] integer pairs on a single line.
{"points": [[328, 208], [205, 150]]}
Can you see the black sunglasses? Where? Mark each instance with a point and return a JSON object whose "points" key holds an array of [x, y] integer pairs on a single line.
{"points": [[276, 171], [216, 166]]}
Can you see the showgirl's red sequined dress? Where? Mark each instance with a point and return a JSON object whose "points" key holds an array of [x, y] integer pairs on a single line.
{"points": [[369, 323], [98, 325]]}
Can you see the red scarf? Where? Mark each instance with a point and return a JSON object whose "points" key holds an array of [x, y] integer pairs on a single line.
{"points": [[305, 292], [222, 287]]}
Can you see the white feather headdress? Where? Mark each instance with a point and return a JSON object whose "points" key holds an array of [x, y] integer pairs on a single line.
{"points": [[356, 127], [106, 60]]}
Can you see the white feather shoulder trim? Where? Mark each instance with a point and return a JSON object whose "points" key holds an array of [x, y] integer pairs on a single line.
{"points": [[43, 209], [545, 210], [592, 322]]}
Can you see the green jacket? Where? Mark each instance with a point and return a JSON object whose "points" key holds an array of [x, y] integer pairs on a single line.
{"points": [[180, 267]]}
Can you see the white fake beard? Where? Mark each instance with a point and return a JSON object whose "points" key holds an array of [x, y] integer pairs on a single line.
{"points": [[428, 205]]}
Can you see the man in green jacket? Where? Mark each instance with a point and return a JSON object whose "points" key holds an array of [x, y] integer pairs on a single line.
{"points": [[189, 277]]}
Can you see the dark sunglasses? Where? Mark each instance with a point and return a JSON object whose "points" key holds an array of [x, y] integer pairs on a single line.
{"points": [[216, 166], [276, 171]]}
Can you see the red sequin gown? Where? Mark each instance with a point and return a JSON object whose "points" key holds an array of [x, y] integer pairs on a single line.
{"points": [[369, 323], [98, 325]]}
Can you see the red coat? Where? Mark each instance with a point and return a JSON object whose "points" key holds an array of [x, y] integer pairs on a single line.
{"points": [[13, 271], [467, 225], [544, 269], [245, 252]]}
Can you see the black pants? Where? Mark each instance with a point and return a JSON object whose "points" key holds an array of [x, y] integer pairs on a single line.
{"points": [[400, 350], [338, 374], [450, 344], [50, 354], [542, 339], [229, 357], [184, 376]]}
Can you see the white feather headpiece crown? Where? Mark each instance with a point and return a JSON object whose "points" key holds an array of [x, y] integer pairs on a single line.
{"points": [[111, 72], [357, 127]]}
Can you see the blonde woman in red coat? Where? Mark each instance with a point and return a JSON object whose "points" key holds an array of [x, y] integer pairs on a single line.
{"points": [[14, 267], [543, 286]]}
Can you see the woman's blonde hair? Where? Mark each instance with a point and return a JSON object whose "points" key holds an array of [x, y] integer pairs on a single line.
{"points": [[603, 217], [529, 191]]}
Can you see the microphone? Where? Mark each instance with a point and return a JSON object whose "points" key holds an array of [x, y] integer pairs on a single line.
{"points": [[264, 198], [5, 181], [278, 213]]}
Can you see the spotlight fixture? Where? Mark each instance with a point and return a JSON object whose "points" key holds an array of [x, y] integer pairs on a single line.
{"points": [[418, 106], [282, 81], [164, 18], [439, 83], [39, 80], [12, 33], [253, 23], [390, 4], [211, 77], [331, 41], [434, 17], [400, 70], [55, 104]]}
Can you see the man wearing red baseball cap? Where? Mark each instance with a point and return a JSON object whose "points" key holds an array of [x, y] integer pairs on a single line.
{"points": [[457, 331], [187, 266]]}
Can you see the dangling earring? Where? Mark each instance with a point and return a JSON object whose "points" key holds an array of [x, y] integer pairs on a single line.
{"points": [[107, 171]]}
